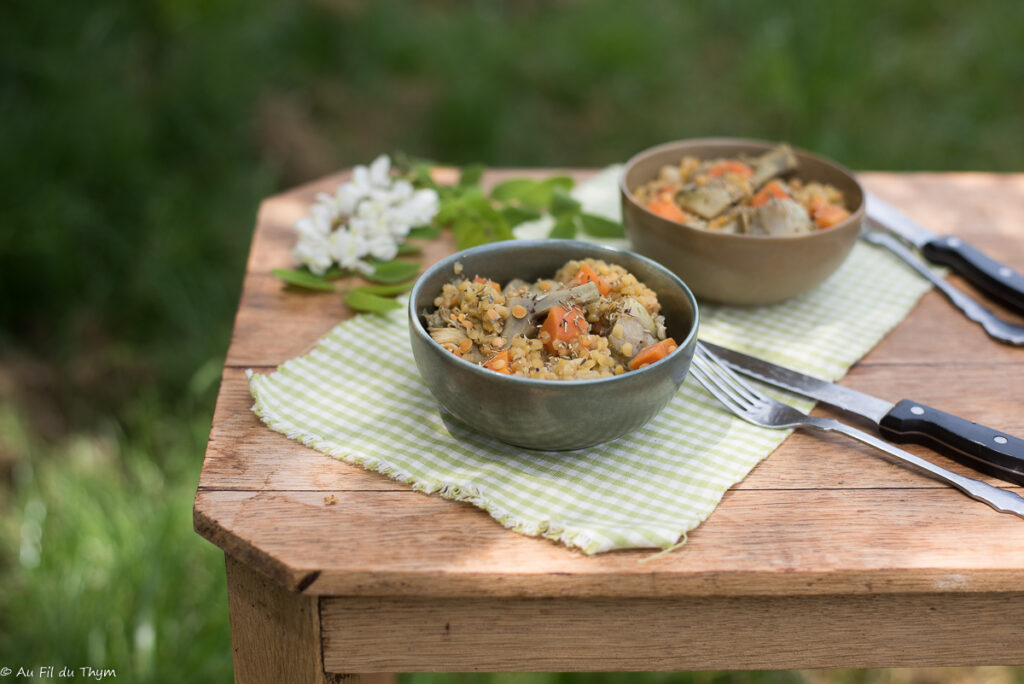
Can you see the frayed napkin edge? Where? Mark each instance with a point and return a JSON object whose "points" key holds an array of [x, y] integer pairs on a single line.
{"points": [[575, 538]]}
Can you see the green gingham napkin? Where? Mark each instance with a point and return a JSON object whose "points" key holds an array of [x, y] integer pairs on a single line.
{"points": [[357, 397]]}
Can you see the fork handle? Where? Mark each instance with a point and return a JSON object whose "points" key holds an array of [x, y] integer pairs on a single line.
{"points": [[999, 499]]}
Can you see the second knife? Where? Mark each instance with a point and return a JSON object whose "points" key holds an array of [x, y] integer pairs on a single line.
{"points": [[999, 281], [982, 448]]}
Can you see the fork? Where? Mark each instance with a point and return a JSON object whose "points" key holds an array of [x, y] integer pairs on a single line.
{"points": [[755, 407]]}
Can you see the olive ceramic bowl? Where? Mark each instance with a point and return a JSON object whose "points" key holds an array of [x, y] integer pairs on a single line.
{"points": [[739, 269], [550, 415]]}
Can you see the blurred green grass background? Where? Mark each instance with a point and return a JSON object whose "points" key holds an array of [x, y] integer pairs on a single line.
{"points": [[138, 137]]}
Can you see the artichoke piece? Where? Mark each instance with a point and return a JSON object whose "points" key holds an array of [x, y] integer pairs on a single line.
{"points": [[773, 163], [515, 285], [709, 200], [781, 217], [520, 326], [634, 326], [581, 294], [634, 336], [629, 306], [445, 336]]}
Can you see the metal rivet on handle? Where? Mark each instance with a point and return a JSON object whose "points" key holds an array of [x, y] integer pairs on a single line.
{"points": [[999, 439], [953, 242], [917, 410], [1005, 272]]}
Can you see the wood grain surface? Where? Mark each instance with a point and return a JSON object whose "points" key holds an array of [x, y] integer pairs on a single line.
{"points": [[276, 635], [702, 633], [821, 516]]}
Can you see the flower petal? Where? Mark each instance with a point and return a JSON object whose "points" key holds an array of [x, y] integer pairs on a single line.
{"points": [[379, 169]]}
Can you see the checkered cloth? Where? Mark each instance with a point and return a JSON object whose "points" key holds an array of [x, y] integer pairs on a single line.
{"points": [[350, 400]]}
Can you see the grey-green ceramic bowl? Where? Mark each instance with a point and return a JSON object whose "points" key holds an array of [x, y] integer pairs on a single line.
{"points": [[739, 269], [551, 415]]}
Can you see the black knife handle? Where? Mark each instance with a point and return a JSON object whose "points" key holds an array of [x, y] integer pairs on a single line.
{"points": [[997, 280], [976, 446]]}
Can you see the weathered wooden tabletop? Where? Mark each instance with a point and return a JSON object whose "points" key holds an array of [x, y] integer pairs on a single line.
{"points": [[824, 556]]}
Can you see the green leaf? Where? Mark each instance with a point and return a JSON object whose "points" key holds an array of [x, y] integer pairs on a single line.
{"points": [[447, 192], [474, 199], [390, 272], [562, 203], [405, 249], [514, 215], [387, 290], [471, 175], [448, 210], [469, 233], [564, 228], [303, 278], [336, 272], [500, 230], [471, 194], [537, 197], [421, 177], [481, 208], [361, 300], [599, 226], [512, 189], [402, 160], [531, 193], [559, 183], [427, 232]]}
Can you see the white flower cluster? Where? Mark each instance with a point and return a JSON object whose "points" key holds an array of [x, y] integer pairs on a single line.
{"points": [[369, 216]]}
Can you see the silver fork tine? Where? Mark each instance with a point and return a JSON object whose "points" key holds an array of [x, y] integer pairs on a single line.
{"points": [[731, 402], [707, 376], [727, 376]]}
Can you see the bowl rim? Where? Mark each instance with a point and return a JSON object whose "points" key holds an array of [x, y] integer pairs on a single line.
{"points": [[449, 261], [855, 215]]}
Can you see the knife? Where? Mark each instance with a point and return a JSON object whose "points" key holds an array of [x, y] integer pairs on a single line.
{"points": [[998, 329], [986, 450], [997, 280]]}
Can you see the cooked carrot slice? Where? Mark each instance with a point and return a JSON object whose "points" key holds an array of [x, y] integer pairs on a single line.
{"points": [[668, 209], [731, 166], [829, 215], [561, 328], [817, 203], [481, 281], [500, 362], [653, 353], [773, 189], [586, 274]]}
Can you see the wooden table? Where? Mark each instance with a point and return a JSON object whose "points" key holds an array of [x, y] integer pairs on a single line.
{"points": [[825, 556]]}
